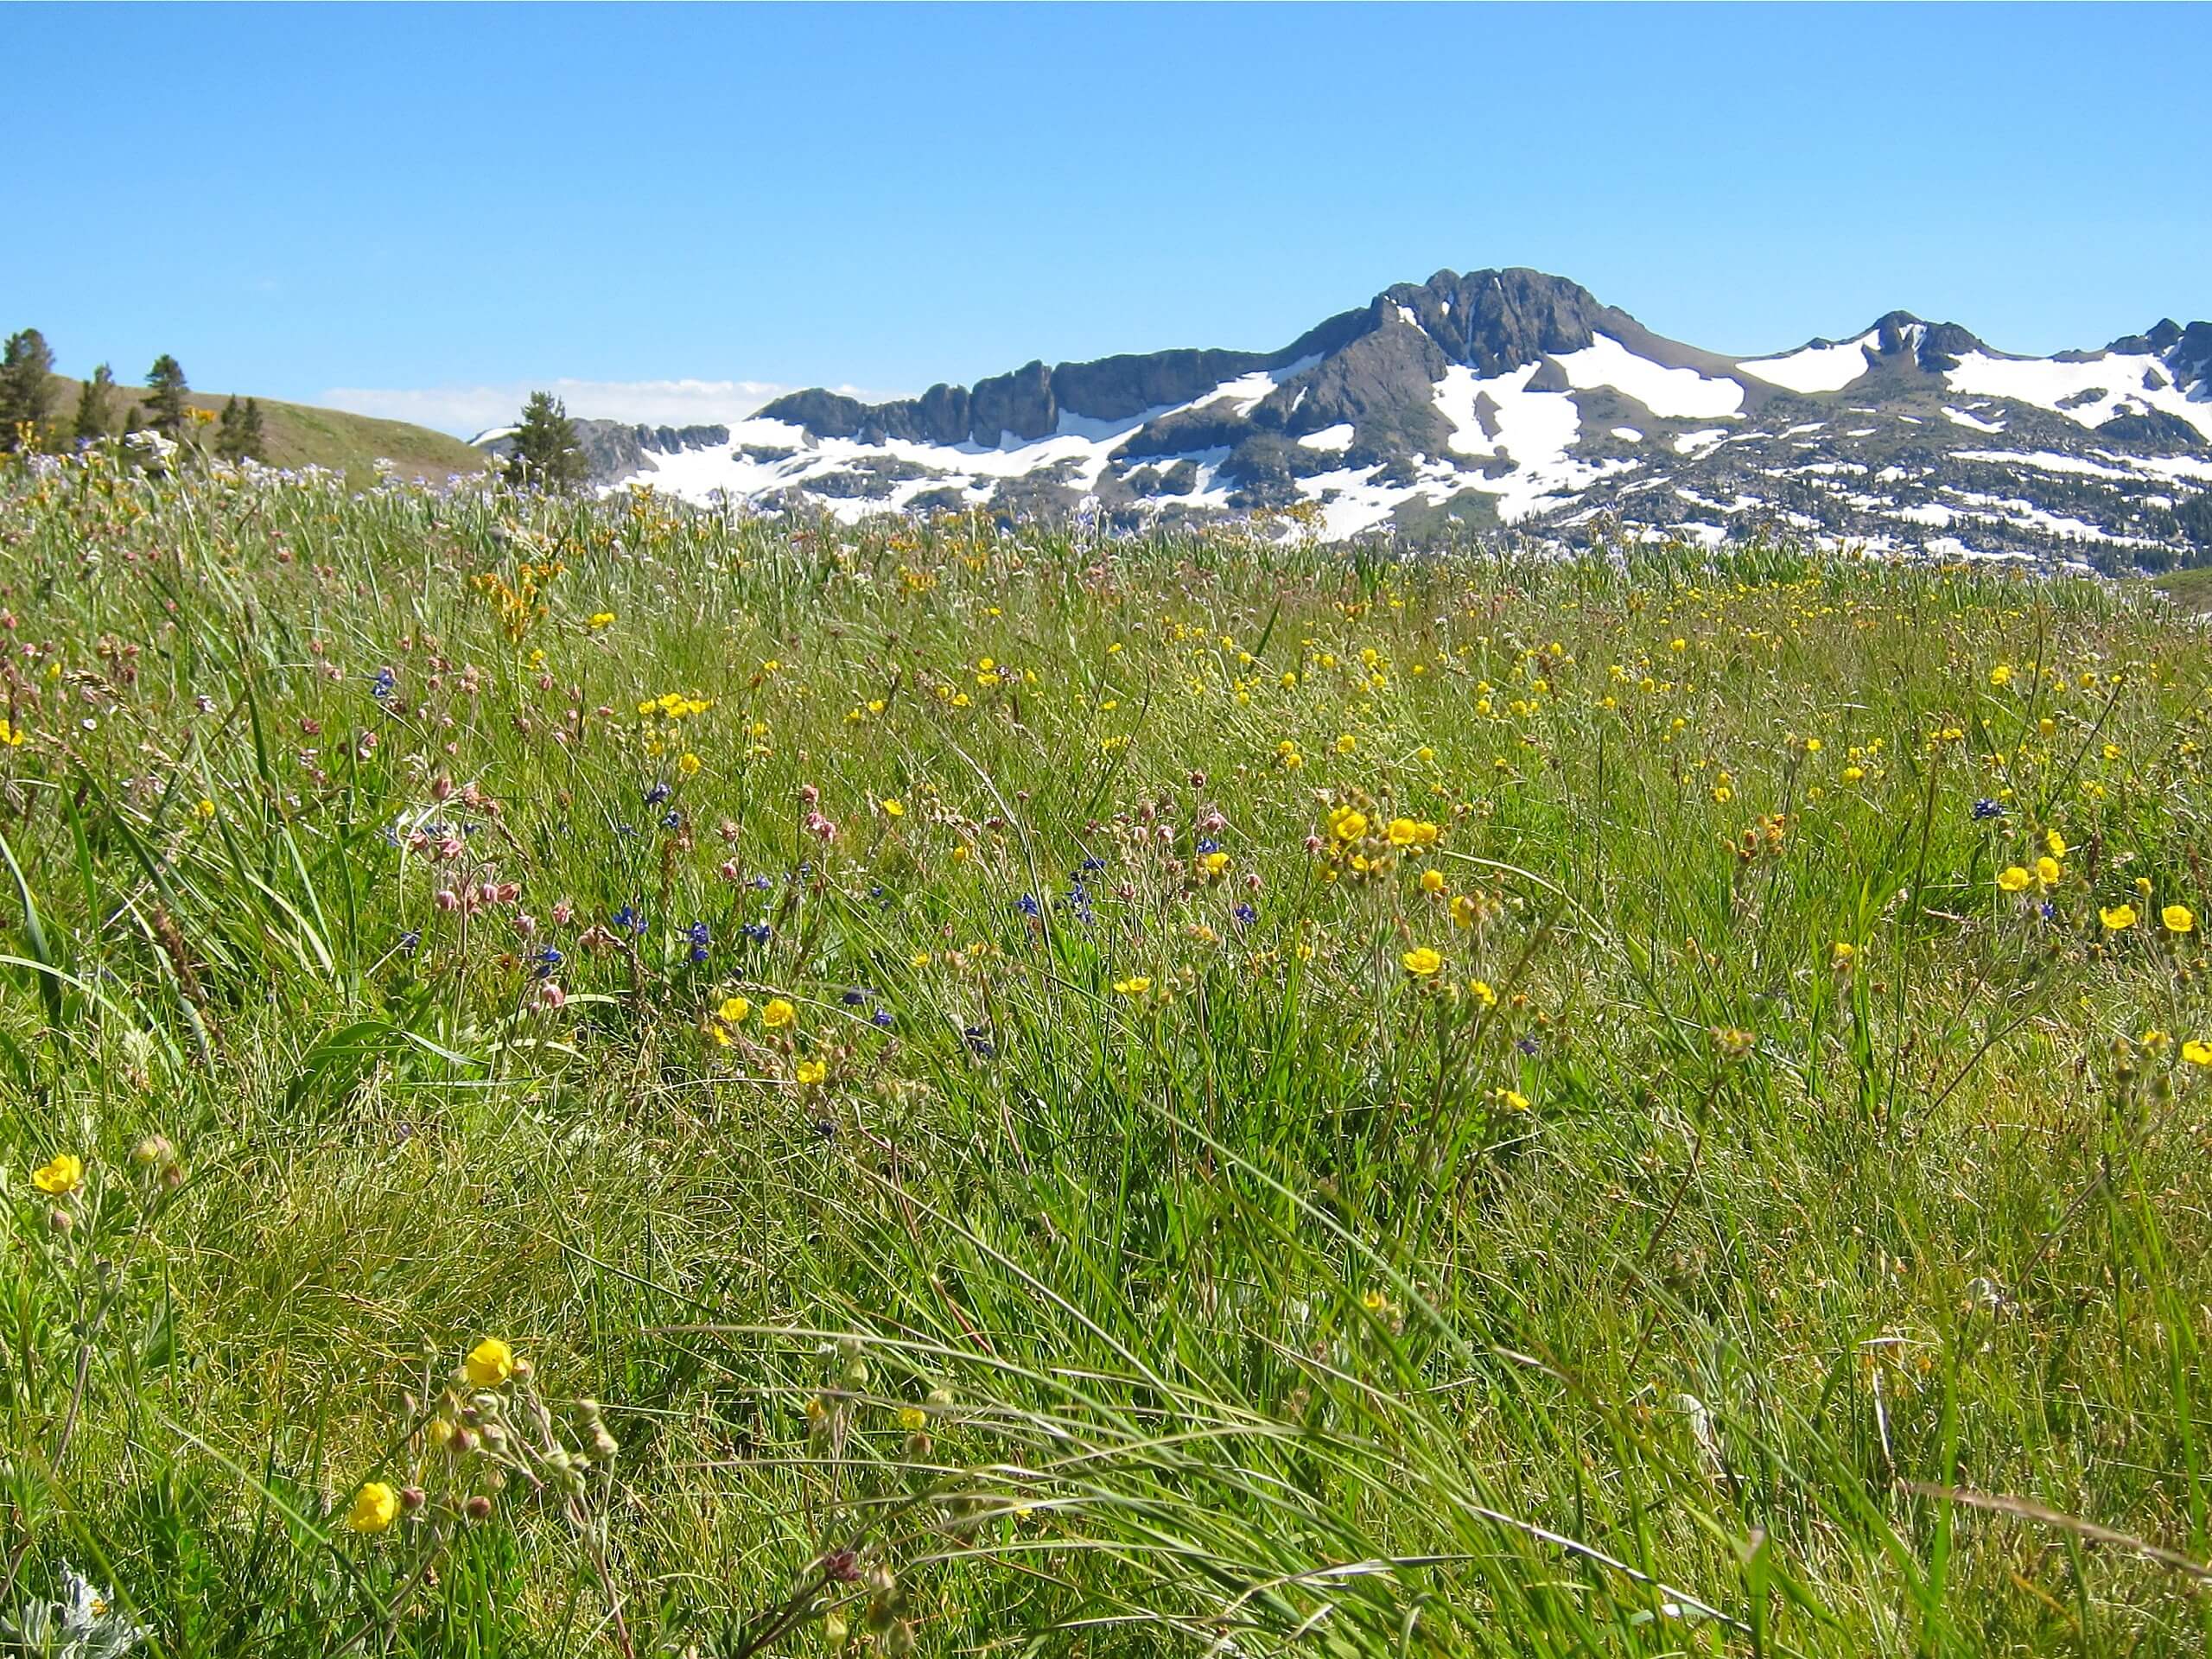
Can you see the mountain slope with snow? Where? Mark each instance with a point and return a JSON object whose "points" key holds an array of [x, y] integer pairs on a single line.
{"points": [[1511, 397]]}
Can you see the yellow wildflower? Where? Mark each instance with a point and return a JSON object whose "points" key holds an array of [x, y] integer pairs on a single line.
{"points": [[490, 1362], [375, 1506]]}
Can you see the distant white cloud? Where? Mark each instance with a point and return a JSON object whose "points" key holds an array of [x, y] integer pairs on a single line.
{"points": [[467, 410]]}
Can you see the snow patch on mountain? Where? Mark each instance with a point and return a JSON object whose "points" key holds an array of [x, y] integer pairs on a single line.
{"points": [[1815, 368], [1674, 394], [2092, 390]]}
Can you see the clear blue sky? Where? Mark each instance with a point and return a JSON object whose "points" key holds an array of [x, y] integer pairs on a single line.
{"points": [[419, 199]]}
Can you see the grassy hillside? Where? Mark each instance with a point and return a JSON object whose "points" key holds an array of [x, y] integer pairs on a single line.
{"points": [[586, 1079], [299, 435]]}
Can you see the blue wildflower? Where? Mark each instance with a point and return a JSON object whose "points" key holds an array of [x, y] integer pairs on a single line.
{"points": [[547, 961], [411, 941], [1027, 905], [1245, 914], [384, 686], [880, 1018], [627, 919], [656, 794], [1984, 807], [701, 939], [979, 1039], [758, 932], [1526, 1044]]}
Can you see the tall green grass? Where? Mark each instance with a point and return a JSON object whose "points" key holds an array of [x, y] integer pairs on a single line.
{"points": [[1655, 1278]]}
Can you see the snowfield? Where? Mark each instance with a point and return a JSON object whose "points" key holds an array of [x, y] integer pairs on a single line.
{"points": [[1815, 368]]}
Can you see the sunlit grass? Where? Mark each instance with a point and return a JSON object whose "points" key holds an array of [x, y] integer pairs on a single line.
{"points": [[1176, 1095]]}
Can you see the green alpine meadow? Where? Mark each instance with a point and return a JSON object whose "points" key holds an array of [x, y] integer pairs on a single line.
{"points": [[605, 1076]]}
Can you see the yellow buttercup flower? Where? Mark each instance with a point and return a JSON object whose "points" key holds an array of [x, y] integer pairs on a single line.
{"points": [[599, 620], [893, 808], [2196, 1052], [2177, 919], [1432, 881], [375, 1506], [1422, 962], [1135, 985], [778, 1013], [734, 1010], [59, 1176], [1403, 832], [490, 1362], [688, 764], [2117, 918], [2014, 880], [811, 1072]]}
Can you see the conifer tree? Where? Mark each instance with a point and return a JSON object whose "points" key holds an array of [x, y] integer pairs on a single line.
{"points": [[229, 438], [92, 405], [546, 453], [253, 440], [165, 381], [26, 391]]}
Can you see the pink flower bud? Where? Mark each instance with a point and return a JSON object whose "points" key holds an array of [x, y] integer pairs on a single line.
{"points": [[447, 899]]}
